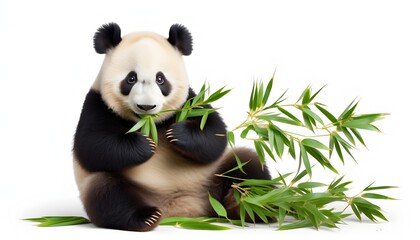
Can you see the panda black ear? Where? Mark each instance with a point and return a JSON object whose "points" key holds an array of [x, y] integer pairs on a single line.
{"points": [[108, 36], [180, 38]]}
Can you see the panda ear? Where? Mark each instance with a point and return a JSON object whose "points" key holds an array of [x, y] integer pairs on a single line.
{"points": [[108, 36], [180, 38]]}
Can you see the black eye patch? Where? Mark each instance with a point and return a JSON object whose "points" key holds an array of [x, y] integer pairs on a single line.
{"points": [[163, 83], [128, 83]]}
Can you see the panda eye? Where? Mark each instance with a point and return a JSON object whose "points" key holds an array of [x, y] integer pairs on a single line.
{"points": [[132, 78], [160, 78]]}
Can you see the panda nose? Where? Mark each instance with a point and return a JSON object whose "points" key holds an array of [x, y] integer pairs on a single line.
{"points": [[146, 107]]}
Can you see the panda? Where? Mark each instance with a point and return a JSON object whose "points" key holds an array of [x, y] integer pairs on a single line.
{"points": [[128, 182]]}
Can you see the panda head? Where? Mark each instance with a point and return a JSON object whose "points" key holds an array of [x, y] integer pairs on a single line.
{"points": [[143, 72]]}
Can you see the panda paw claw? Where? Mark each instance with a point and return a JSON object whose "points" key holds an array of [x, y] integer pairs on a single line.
{"points": [[153, 219], [152, 144], [170, 136]]}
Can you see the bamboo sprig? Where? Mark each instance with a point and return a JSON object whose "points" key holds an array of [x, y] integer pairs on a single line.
{"points": [[271, 123]]}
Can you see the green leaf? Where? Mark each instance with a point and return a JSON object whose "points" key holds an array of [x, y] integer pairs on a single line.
{"points": [[296, 224], [217, 95], [201, 226], [231, 137], [244, 133], [311, 185], [356, 211], [200, 95], [276, 118], [376, 196], [218, 207], [349, 110], [267, 91], [369, 188], [326, 113], [55, 221], [267, 150], [305, 159], [305, 95], [249, 211], [292, 148], [358, 136], [279, 144], [361, 202], [252, 105], [204, 120], [291, 116], [314, 144], [137, 126], [313, 96], [281, 217], [313, 115], [260, 151], [348, 135], [153, 131]]}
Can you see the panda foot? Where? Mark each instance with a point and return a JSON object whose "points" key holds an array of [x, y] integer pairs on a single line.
{"points": [[151, 222]]}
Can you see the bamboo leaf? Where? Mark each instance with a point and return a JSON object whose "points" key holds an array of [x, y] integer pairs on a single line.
{"points": [[349, 110], [291, 116], [356, 211], [260, 152], [218, 207], [358, 136], [201, 226], [231, 137], [326, 113], [153, 130], [267, 150], [348, 135], [314, 144], [305, 159], [267, 91], [56, 221], [376, 196], [311, 185], [313, 115], [297, 224], [292, 148], [204, 120], [313, 96], [137, 126]]}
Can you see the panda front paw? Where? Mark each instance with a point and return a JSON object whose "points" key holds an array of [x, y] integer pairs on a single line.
{"points": [[180, 135]]}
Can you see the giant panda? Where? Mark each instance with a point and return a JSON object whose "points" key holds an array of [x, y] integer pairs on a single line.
{"points": [[128, 182]]}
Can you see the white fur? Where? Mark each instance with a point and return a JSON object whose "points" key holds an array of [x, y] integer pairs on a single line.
{"points": [[146, 54]]}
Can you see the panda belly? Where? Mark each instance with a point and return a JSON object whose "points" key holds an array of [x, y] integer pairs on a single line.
{"points": [[177, 186]]}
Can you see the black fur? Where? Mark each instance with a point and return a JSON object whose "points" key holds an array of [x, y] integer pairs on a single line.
{"points": [[166, 87], [181, 38], [107, 36], [128, 83], [101, 142], [114, 202], [202, 146]]}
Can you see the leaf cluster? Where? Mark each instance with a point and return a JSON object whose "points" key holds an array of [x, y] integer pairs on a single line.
{"points": [[296, 204], [197, 106], [55, 221], [319, 133]]}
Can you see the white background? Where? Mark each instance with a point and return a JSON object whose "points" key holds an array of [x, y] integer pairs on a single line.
{"points": [[365, 49]]}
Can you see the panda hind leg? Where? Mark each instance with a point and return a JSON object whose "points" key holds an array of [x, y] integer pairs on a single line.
{"points": [[111, 201], [223, 190]]}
